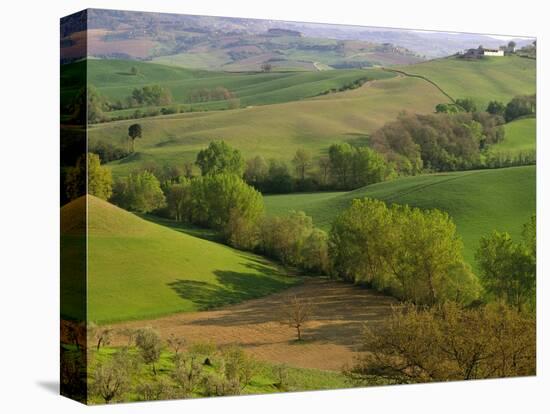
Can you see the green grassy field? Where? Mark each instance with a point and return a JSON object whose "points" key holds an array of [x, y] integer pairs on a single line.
{"points": [[264, 381], [484, 80], [138, 269], [478, 201], [113, 79], [273, 131], [520, 136]]}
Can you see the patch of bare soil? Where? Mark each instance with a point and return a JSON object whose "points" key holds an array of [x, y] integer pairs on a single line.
{"points": [[331, 339]]}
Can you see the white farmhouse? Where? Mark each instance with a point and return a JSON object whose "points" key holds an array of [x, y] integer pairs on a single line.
{"points": [[493, 52]]}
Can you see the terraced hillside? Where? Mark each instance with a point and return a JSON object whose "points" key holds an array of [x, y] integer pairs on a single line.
{"points": [[478, 201], [139, 270]]}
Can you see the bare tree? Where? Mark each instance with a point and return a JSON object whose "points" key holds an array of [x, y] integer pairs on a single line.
{"points": [[103, 336], [296, 313], [266, 67], [175, 343]]}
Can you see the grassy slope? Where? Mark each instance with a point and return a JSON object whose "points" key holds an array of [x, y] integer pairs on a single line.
{"points": [[273, 130], [138, 269], [478, 201], [113, 80], [491, 78], [521, 135]]}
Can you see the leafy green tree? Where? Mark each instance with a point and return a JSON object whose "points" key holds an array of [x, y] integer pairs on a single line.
{"points": [[221, 198], [140, 192], [279, 180], [179, 200], [99, 179], [256, 171], [220, 158], [149, 345], [508, 268], [134, 71], [282, 237], [368, 167], [302, 162], [443, 108], [134, 131], [496, 108], [341, 156], [520, 106], [414, 254], [467, 104]]}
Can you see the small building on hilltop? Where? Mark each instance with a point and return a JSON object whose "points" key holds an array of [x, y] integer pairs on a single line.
{"points": [[481, 51], [493, 52]]}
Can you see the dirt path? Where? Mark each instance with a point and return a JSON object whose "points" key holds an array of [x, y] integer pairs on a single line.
{"points": [[332, 337]]}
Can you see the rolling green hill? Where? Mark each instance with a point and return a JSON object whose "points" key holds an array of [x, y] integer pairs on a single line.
{"points": [[478, 201], [139, 270], [114, 80], [520, 136], [273, 131], [484, 80]]}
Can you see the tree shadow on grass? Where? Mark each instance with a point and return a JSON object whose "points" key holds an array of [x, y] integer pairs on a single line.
{"points": [[232, 287]]}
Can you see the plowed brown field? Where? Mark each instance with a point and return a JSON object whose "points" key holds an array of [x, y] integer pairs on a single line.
{"points": [[331, 339]]}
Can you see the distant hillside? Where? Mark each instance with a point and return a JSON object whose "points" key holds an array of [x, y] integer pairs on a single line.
{"points": [[138, 269], [478, 201], [113, 80], [218, 43], [484, 80]]}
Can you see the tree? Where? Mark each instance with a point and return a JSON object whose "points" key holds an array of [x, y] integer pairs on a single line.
{"points": [[284, 237], [341, 156], [140, 192], [279, 180], [238, 366], [266, 67], [187, 373], [176, 343], [102, 336], [496, 108], [508, 269], [112, 378], [520, 106], [324, 167], [134, 131], [220, 199], [154, 390], [149, 345], [179, 200], [134, 71], [511, 46], [94, 178], [220, 158], [302, 162], [414, 254], [467, 104], [448, 343], [296, 313], [256, 171]]}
